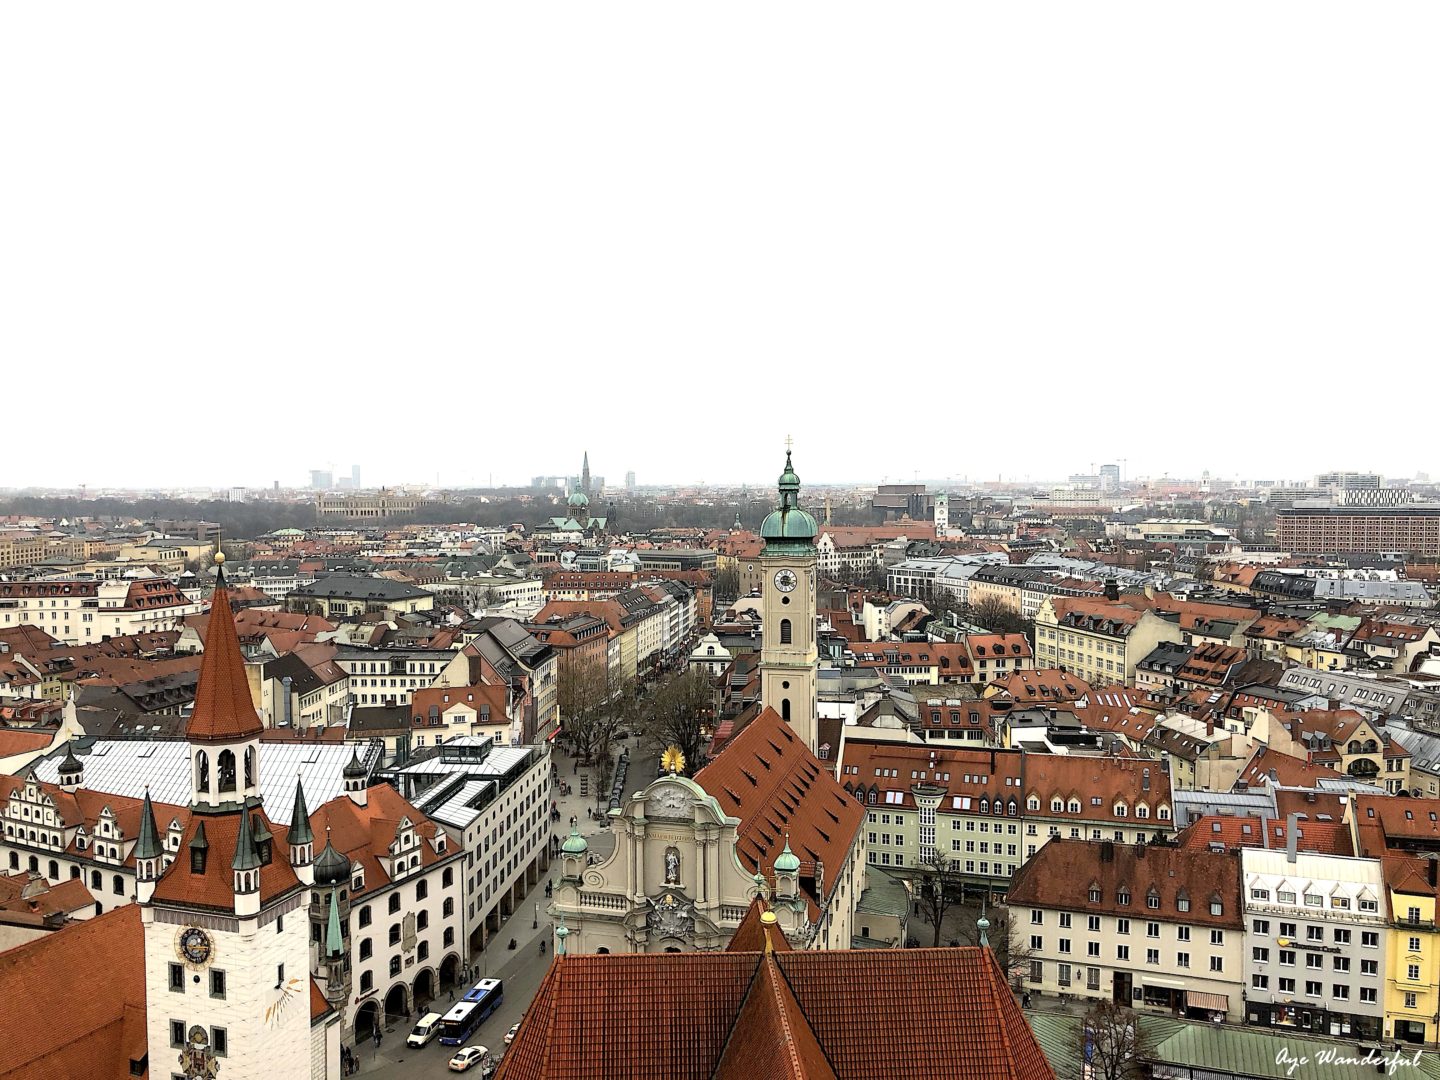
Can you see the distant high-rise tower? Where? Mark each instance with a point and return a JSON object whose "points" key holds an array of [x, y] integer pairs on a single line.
{"points": [[585, 475], [322, 479], [355, 476], [630, 480], [942, 514]]}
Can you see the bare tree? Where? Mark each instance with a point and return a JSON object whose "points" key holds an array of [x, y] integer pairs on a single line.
{"points": [[592, 708], [1110, 1043], [679, 712], [726, 584], [1000, 618], [939, 886], [1008, 942]]}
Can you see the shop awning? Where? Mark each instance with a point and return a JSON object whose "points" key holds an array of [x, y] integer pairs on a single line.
{"points": [[551, 736], [1194, 999]]}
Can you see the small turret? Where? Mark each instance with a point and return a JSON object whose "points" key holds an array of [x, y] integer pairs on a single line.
{"points": [[573, 854], [331, 868], [787, 873], [561, 933], [149, 853], [246, 867], [300, 837], [356, 778], [72, 773]]}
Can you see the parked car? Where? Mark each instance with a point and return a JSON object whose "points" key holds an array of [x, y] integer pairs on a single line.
{"points": [[467, 1057], [510, 1035]]}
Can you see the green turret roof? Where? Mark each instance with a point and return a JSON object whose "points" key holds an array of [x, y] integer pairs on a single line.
{"points": [[300, 831], [148, 845], [787, 862], [574, 843], [247, 856], [788, 526], [334, 941]]}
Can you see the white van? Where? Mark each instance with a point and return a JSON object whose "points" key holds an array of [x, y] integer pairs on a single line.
{"points": [[425, 1030]]}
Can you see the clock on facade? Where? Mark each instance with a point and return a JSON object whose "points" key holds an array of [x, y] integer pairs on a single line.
{"points": [[195, 946], [785, 580]]}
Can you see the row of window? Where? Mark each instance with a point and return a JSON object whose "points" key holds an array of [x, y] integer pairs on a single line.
{"points": [[1338, 903], [1342, 935]]}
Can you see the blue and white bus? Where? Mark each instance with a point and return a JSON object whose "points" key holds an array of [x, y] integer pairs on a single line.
{"points": [[470, 1012]]}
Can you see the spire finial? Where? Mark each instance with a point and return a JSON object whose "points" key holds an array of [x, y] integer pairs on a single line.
{"points": [[789, 445]]}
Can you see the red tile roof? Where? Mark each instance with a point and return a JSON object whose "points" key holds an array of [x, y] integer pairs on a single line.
{"points": [[223, 706], [943, 1013], [1324, 837], [363, 833], [86, 983], [768, 779], [1063, 872], [215, 886], [13, 741]]}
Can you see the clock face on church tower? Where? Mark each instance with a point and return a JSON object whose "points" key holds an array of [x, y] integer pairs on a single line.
{"points": [[785, 580]]}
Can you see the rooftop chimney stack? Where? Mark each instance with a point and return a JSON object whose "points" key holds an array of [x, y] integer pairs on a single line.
{"points": [[1292, 836]]}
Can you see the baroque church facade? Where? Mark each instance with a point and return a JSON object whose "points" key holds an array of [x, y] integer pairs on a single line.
{"points": [[764, 821]]}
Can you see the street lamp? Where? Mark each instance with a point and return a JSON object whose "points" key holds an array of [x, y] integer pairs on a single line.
{"points": [[535, 924]]}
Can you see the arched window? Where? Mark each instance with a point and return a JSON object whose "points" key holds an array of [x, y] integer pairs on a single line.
{"points": [[601, 952], [873, 792], [54, 870], [250, 767], [785, 632], [95, 879], [34, 865], [225, 768], [202, 771], [785, 709]]}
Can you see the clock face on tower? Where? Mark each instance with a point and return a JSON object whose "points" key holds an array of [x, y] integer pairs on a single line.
{"points": [[785, 580], [194, 946]]}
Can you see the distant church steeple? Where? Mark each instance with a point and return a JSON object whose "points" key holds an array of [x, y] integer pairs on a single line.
{"points": [[585, 475]]}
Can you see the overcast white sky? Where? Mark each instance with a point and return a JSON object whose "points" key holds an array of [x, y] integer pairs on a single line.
{"points": [[240, 241]]}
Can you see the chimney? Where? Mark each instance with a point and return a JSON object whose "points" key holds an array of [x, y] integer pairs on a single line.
{"points": [[1430, 868], [1144, 779], [1210, 727], [1107, 851], [1139, 849], [1292, 836]]}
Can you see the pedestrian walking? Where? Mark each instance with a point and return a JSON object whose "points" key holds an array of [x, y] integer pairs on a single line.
{"points": [[1025, 999]]}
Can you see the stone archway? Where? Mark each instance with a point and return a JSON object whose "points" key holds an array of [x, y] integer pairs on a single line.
{"points": [[397, 1002], [367, 1018], [423, 989], [450, 971]]}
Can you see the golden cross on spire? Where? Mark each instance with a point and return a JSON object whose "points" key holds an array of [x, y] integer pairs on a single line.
{"points": [[789, 444]]}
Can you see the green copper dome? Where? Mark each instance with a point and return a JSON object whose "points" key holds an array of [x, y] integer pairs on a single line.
{"points": [[787, 862], [574, 843], [788, 525], [578, 498]]}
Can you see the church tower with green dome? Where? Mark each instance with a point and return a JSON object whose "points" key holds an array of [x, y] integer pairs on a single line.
{"points": [[788, 655]]}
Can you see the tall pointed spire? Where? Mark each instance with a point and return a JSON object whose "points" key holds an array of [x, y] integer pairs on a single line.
{"points": [[585, 475], [300, 831], [223, 706], [148, 845]]}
